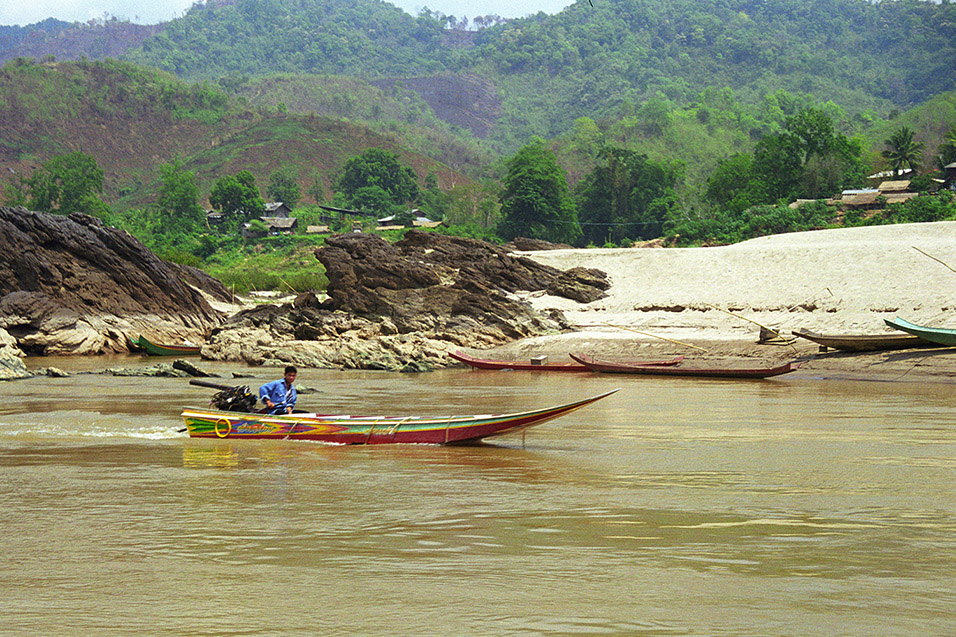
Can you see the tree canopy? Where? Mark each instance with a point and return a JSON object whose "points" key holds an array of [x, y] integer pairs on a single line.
{"points": [[66, 184], [536, 202], [284, 187], [378, 168], [238, 197]]}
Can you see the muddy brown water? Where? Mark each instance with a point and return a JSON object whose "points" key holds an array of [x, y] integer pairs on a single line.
{"points": [[676, 506]]}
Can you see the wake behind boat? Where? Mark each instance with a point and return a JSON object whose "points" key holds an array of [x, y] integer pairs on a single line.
{"points": [[369, 430], [535, 366], [609, 367]]}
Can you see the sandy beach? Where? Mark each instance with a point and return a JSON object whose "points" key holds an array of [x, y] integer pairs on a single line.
{"points": [[709, 303]]}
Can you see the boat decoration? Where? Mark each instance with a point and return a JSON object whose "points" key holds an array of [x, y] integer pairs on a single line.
{"points": [[368, 430]]}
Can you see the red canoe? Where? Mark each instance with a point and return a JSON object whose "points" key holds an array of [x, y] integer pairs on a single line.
{"points": [[704, 372], [481, 363]]}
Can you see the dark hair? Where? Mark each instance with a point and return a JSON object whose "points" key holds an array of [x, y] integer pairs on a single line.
{"points": [[291, 370]]}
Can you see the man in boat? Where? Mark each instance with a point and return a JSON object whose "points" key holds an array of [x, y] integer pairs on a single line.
{"points": [[279, 395]]}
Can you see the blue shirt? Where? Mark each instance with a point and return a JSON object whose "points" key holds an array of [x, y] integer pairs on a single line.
{"points": [[277, 392]]}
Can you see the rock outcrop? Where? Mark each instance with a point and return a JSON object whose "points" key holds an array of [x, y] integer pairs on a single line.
{"points": [[402, 306], [72, 285]]}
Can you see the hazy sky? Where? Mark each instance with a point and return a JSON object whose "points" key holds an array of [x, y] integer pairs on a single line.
{"points": [[25, 12]]}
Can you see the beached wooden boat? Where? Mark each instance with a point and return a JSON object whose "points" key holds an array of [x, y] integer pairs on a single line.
{"points": [[864, 342], [572, 366], [936, 335], [368, 430], [608, 367], [155, 349]]}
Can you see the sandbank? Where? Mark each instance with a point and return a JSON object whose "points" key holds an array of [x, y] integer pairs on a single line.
{"points": [[709, 303]]}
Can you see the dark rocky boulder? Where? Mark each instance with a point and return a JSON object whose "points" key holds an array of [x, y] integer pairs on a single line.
{"points": [[72, 285], [402, 306], [580, 284], [531, 245]]}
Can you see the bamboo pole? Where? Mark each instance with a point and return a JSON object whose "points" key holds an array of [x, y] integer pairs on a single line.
{"points": [[772, 331], [934, 259], [288, 286], [669, 340]]}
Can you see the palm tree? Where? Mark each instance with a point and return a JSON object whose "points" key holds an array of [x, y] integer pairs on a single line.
{"points": [[903, 152], [947, 150]]}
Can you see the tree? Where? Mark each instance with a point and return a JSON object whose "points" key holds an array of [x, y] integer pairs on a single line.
{"points": [[814, 130], [379, 168], [536, 202], [903, 151], [238, 197], [730, 186], [627, 196], [66, 184], [284, 187], [947, 150], [777, 166], [179, 199], [373, 199]]}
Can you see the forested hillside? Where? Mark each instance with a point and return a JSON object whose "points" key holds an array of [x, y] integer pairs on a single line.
{"points": [[588, 60], [133, 119]]}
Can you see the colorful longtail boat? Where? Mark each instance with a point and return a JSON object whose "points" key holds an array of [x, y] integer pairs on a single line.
{"points": [[370, 430], [609, 367], [939, 335], [155, 349], [529, 366]]}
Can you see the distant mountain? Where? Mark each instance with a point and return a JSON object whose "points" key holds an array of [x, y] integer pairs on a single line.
{"points": [[95, 40], [12, 37]]}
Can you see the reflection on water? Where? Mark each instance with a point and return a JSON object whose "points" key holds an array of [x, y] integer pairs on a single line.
{"points": [[788, 506]]}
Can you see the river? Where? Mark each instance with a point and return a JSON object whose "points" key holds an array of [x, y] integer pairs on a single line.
{"points": [[789, 506]]}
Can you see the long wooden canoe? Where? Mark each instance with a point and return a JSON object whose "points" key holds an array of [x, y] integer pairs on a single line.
{"points": [[369, 430], [608, 367], [936, 335], [155, 349], [864, 342], [573, 366]]}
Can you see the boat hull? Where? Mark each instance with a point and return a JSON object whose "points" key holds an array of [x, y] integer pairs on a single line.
{"points": [[608, 367], [481, 363], [349, 430], [864, 342], [936, 335], [155, 349]]}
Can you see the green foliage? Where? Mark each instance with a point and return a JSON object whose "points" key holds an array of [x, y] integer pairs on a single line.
{"points": [[284, 187], [627, 196], [373, 199], [947, 149], [66, 184], [238, 197], [334, 36], [377, 171], [903, 151], [536, 202], [723, 227], [179, 200]]}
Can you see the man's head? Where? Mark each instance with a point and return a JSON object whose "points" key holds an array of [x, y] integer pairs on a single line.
{"points": [[290, 374]]}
